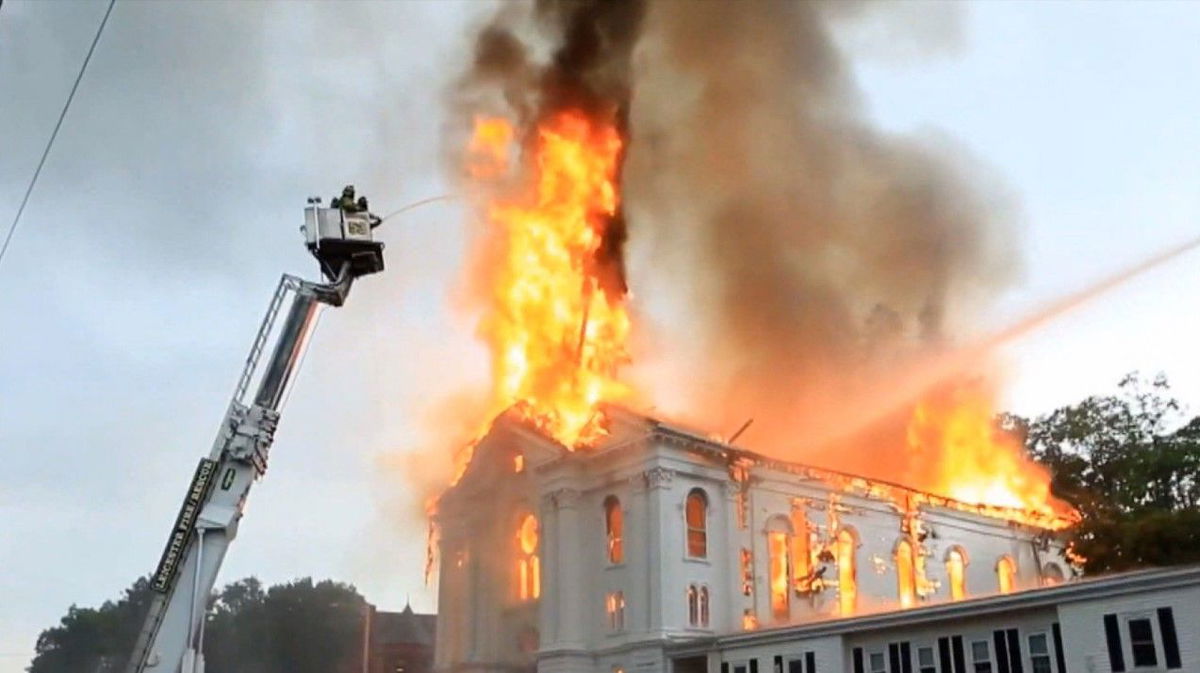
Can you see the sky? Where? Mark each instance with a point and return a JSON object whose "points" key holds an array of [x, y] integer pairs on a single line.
{"points": [[171, 201]]}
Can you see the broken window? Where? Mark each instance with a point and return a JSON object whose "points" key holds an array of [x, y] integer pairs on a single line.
{"points": [[1006, 573], [778, 576], [906, 578], [614, 529], [696, 515], [847, 571], [528, 568], [956, 571]]}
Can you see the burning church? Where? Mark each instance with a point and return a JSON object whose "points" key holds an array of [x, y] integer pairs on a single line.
{"points": [[580, 536]]}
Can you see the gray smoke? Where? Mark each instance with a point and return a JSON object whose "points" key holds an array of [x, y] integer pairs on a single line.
{"points": [[815, 251]]}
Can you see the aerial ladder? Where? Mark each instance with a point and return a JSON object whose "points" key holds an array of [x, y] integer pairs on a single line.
{"points": [[172, 637]]}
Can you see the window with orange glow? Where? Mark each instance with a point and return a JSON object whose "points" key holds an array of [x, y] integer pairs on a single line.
{"points": [[1052, 575], [906, 578], [696, 515], [777, 569], [1006, 574], [518, 463], [614, 530], [801, 563], [956, 571], [847, 572], [614, 605], [529, 571]]}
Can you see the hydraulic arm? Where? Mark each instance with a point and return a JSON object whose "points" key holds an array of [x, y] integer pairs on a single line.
{"points": [[172, 638]]}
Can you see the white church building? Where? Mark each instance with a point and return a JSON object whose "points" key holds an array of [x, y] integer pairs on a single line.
{"points": [[662, 551]]}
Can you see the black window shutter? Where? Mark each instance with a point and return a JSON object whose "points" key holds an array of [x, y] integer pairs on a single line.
{"points": [[1014, 651], [1116, 658], [858, 660], [724, 667], [1166, 627], [1059, 659], [893, 657], [960, 660], [810, 662], [754, 665], [943, 655], [794, 666], [905, 658], [1001, 652]]}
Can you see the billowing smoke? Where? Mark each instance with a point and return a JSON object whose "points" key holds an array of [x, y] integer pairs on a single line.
{"points": [[790, 257], [532, 61], [817, 253]]}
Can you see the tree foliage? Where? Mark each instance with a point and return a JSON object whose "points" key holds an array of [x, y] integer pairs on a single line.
{"points": [[1130, 462], [296, 627]]}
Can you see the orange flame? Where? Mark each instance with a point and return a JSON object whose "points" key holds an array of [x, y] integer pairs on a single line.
{"points": [[975, 461], [556, 335]]}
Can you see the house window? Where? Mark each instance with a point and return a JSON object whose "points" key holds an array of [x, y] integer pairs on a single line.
{"points": [[614, 605], [801, 563], [1039, 653], [778, 576], [1141, 642], [906, 578], [878, 662], [847, 573], [697, 524], [1006, 574], [693, 605], [747, 572], [981, 656], [956, 572], [697, 605], [1052, 574], [518, 463], [925, 660], [614, 529], [529, 575]]}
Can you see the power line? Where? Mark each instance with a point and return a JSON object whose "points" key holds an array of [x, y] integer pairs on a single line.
{"points": [[45, 153]]}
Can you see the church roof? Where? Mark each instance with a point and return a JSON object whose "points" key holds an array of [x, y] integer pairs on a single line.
{"points": [[404, 627]]}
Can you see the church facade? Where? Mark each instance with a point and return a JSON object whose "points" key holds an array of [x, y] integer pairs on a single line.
{"points": [[662, 550]]}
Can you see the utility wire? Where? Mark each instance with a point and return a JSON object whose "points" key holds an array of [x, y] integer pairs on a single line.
{"points": [[45, 153]]}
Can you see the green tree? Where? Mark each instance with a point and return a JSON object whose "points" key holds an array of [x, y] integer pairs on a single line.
{"points": [[295, 627], [93, 640], [1130, 462]]}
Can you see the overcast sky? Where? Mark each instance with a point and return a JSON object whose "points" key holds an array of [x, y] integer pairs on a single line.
{"points": [[171, 203]]}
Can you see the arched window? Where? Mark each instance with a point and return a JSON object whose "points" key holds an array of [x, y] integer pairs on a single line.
{"points": [[614, 529], [778, 576], [847, 571], [529, 571], [696, 515], [693, 605], [1006, 574], [801, 551], [906, 577], [704, 606], [1052, 574], [956, 572]]}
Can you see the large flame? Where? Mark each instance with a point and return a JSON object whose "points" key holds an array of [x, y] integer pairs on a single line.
{"points": [[974, 460], [556, 332]]}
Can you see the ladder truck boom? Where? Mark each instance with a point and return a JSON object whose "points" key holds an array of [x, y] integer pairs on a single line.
{"points": [[172, 637]]}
